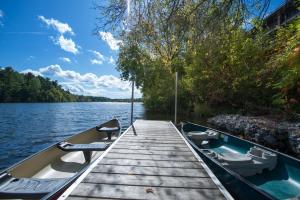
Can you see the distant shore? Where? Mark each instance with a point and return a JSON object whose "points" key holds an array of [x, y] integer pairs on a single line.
{"points": [[109, 101], [17, 87]]}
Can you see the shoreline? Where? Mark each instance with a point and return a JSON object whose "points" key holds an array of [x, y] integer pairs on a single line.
{"points": [[73, 102]]}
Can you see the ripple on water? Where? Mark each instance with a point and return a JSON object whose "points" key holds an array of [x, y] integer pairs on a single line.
{"points": [[28, 128]]}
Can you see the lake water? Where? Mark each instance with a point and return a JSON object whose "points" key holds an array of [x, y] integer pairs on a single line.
{"points": [[26, 128]]}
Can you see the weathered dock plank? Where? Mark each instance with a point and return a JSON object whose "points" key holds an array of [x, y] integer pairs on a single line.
{"points": [[159, 141], [153, 181], [150, 161], [150, 157], [92, 190], [168, 148], [146, 145], [151, 152], [153, 171]]}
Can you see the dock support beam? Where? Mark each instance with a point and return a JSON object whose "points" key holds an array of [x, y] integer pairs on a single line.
{"points": [[132, 99]]}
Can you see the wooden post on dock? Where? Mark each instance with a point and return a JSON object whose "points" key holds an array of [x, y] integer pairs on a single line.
{"points": [[132, 99], [176, 85]]}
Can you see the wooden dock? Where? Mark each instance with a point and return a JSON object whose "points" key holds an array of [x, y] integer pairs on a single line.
{"points": [[151, 160]]}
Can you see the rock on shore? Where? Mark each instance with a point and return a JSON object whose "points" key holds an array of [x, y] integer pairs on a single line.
{"points": [[280, 135]]}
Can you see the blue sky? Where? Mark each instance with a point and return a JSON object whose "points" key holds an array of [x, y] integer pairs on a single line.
{"points": [[54, 39]]}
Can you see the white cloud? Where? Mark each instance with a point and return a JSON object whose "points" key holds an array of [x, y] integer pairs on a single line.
{"points": [[65, 59], [36, 73], [98, 55], [67, 44], [111, 60], [96, 62], [110, 40], [59, 26], [99, 58], [87, 84]]}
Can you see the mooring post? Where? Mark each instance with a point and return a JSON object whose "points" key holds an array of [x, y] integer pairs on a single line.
{"points": [[176, 84], [132, 99]]}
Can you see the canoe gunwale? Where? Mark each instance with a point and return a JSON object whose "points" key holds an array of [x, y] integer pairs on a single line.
{"points": [[70, 179], [232, 173]]}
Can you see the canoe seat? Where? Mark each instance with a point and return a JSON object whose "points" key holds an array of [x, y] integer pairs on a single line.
{"points": [[206, 135], [66, 146], [28, 188], [234, 158], [108, 130], [87, 149]]}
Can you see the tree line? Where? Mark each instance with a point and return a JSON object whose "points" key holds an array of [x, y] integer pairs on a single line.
{"points": [[18, 87], [224, 56]]}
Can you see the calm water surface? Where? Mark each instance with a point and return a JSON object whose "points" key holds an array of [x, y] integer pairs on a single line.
{"points": [[26, 128]]}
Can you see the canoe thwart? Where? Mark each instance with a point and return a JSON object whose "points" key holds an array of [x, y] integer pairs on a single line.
{"points": [[27, 188], [66, 146], [87, 149], [108, 130]]}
